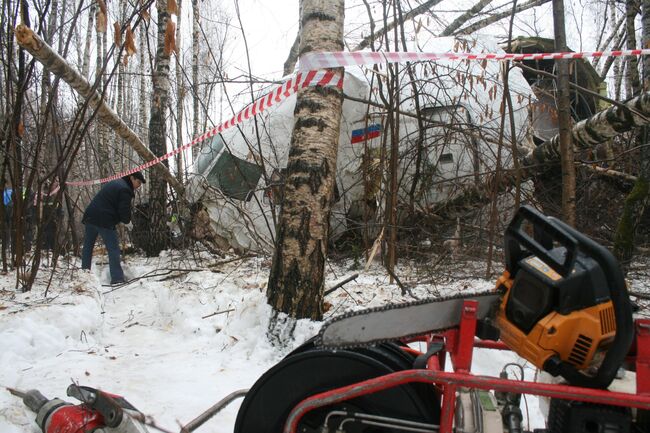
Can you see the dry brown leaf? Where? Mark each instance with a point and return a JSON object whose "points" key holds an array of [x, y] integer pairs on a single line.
{"points": [[129, 46], [129, 43], [102, 20], [170, 38], [117, 34], [172, 7], [21, 129]]}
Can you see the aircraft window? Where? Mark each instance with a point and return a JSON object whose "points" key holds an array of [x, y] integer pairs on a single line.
{"points": [[207, 154], [235, 177], [446, 158]]}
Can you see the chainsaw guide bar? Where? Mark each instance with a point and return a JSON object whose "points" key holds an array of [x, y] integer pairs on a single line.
{"points": [[395, 321]]}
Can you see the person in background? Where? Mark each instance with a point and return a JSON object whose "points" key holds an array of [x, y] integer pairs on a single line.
{"points": [[7, 236], [27, 218], [52, 213], [111, 206]]}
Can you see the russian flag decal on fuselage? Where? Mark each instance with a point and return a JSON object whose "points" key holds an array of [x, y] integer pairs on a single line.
{"points": [[363, 134]]}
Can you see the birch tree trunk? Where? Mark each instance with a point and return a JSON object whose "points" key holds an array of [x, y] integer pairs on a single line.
{"points": [[636, 201], [564, 118], [49, 37], [49, 155], [15, 146], [195, 73], [297, 273], [7, 21], [89, 32], [119, 157], [144, 68], [633, 82], [85, 74], [158, 239], [613, 61], [100, 143], [180, 96], [390, 219]]}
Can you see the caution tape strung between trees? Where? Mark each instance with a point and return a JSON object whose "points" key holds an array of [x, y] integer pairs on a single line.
{"points": [[277, 95], [321, 60], [312, 74]]}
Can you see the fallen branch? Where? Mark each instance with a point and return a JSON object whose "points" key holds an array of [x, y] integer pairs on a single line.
{"points": [[218, 312], [151, 274], [609, 172], [405, 289], [234, 259], [347, 280]]}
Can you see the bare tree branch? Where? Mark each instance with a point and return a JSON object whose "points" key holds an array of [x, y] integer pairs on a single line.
{"points": [[290, 63], [407, 16], [494, 18], [58, 66], [610, 60], [471, 13]]}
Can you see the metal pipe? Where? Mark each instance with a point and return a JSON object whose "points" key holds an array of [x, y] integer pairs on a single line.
{"points": [[392, 380], [383, 421], [16, 392], [205, 416]]}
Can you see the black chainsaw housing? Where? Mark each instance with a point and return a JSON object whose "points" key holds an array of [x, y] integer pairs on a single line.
{"points": [[535, 293]]}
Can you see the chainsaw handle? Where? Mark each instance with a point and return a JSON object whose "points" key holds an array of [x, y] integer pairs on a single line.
{"points": [[622, 310], [546, 228]]}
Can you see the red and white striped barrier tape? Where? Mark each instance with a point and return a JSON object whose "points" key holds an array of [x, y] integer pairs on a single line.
{"points": [[275, 96], [320, 60], [311, 74]]}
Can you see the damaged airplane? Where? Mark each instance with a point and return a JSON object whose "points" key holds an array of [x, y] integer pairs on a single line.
{"points": [[450, 131]]}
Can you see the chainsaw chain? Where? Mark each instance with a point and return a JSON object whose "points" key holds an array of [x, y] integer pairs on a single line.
{"points": [[369, 311]]}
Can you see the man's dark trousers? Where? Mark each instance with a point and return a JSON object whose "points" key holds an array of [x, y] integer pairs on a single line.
{"points": [[112, 248]]}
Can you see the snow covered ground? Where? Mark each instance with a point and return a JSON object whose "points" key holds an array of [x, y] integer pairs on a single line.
{"points": [[173, 342]]}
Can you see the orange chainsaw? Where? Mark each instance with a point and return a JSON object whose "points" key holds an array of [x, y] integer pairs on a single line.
{"points": [[561, 304]]}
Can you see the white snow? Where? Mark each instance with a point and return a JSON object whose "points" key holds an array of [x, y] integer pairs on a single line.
{"points": [[158, 342]]}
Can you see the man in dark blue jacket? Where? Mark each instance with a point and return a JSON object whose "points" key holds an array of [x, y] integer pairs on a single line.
{"points": [[111, 206]]}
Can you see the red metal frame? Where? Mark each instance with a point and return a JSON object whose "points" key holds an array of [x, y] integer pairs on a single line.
{"points": [[642, 327], [460, 343]]}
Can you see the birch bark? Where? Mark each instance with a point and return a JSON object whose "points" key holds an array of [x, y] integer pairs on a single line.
{"points": [[297, 272]]}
